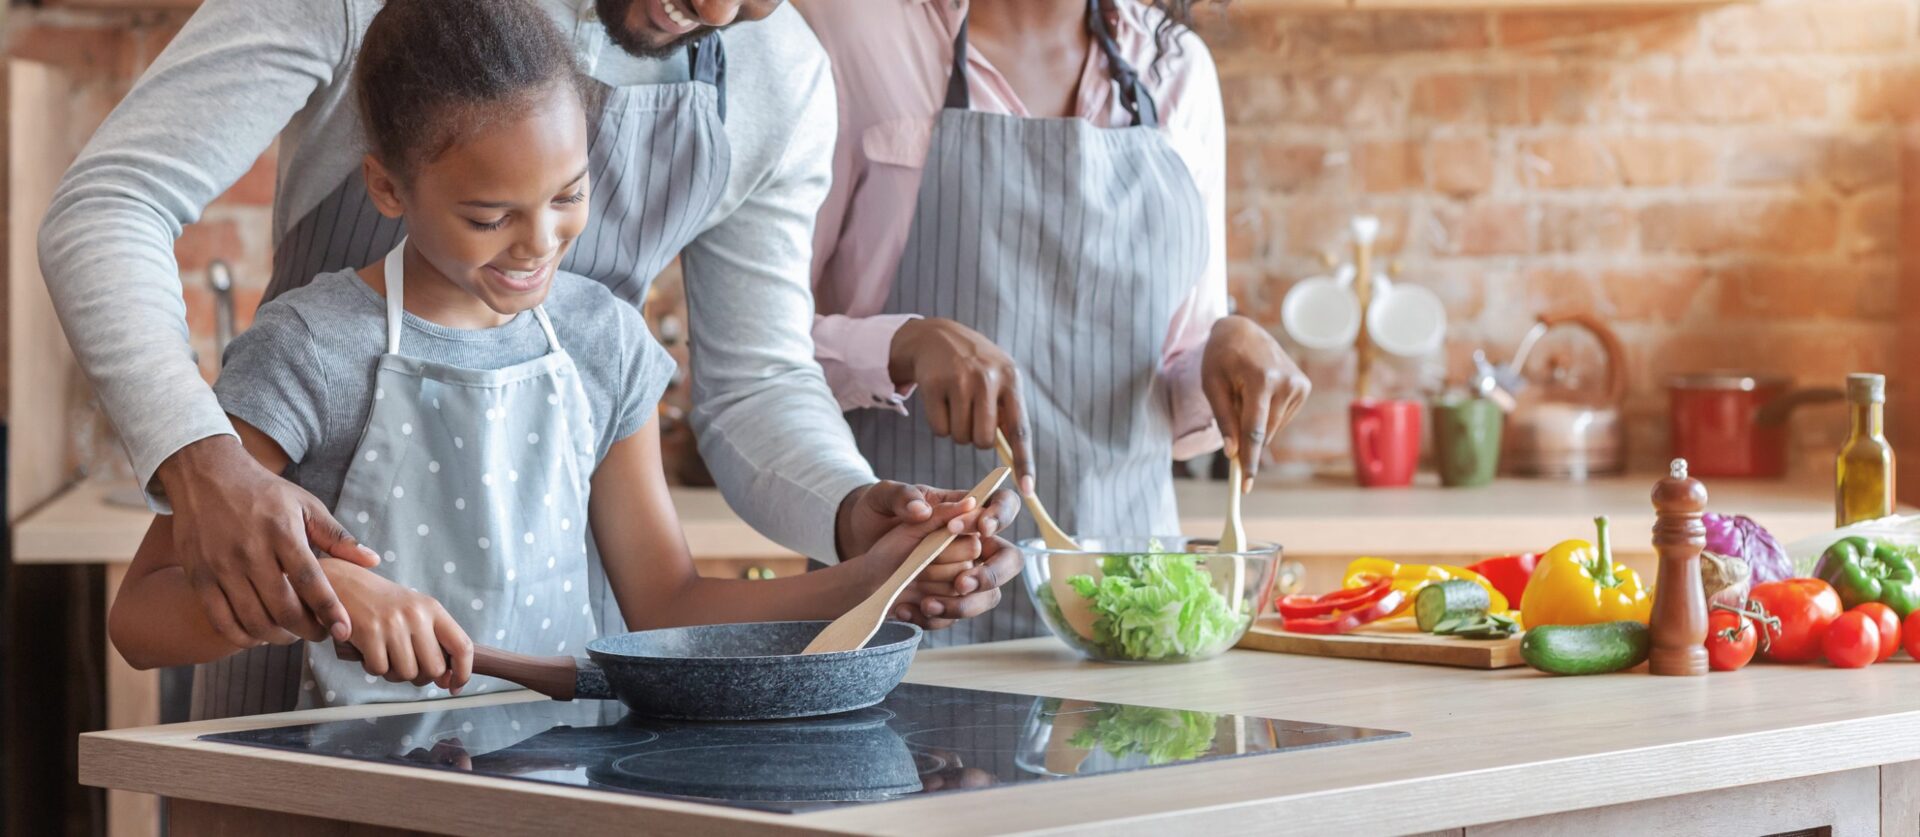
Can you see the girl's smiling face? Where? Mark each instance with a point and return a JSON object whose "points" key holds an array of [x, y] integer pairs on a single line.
{"points": [[490, 218]]}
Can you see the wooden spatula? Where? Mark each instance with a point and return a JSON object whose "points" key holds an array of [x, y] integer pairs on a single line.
{"points": [[1075, 607], [851, 631], [1233, 538], [1049, 531]]}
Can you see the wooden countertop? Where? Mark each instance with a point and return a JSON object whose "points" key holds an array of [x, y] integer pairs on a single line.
{"points": [[1307, 518], [1484, 747]]}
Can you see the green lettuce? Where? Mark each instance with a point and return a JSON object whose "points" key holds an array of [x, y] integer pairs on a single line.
{"points": [[1153, 607], [1162, 735]]}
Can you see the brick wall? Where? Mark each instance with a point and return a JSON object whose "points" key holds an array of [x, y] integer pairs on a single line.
{"points": [[107, 50], [1727, 187]]}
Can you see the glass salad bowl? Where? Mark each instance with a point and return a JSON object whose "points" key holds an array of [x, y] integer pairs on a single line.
{"points": [[1141, 600]]}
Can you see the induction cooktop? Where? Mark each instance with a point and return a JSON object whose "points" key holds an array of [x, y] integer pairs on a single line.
{"points": [[920, 740]]}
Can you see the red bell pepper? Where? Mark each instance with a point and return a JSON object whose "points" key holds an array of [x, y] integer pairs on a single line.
{"points": [[1508, 573], [1297, 607], [1342, 621]]}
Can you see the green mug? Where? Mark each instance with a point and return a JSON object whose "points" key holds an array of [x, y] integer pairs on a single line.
{"points": [[1466, 436]]}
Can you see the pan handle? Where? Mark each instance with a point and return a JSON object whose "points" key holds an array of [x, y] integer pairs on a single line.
{"points": [[560, 678], [1777, 410]]}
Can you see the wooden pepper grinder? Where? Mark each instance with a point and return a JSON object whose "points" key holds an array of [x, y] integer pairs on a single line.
{"points": [[1679, 598]]}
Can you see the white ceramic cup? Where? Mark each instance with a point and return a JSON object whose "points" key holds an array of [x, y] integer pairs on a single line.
{"points": [[1406, 320], [1322, 312]]}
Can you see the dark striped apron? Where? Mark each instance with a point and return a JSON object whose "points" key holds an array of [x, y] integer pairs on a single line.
{"points": [[658, 162], [1069, 246]]}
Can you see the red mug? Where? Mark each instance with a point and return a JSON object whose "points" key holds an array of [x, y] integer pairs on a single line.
{"points": [[1386, 441]]}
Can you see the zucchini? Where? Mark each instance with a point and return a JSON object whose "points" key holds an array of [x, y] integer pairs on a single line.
{"points": [[1460, 600], [1586, 649]]}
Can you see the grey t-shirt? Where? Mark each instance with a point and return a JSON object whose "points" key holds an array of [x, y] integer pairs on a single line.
{"points": [[303, 373]]}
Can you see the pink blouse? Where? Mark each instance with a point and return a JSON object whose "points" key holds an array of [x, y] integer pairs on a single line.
{"points": [[890, 64]]}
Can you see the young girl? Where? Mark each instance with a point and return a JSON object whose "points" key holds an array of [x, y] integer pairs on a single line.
{"points": [[477, 416]]}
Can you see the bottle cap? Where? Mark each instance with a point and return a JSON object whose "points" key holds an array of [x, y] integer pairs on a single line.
{"points": [[1867, 388]]}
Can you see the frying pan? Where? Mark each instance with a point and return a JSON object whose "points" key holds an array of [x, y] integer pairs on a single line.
{"points": [[741, 672]]}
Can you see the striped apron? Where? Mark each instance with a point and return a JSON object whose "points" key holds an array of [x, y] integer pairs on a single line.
{"points": [[1069, 246], [658, 160]]}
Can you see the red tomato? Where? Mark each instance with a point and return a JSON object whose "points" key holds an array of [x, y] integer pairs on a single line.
{"points": [[1730, 641], [1852, 641], [1806, 606], [1889, 624], [1910, 632]]}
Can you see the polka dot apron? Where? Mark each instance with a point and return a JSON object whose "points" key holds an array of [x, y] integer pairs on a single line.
{"points": [[472, 486]]}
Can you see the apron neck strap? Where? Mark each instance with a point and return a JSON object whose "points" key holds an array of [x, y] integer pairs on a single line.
{"points": [[707, 58], [395, 274], [1133, 93]]}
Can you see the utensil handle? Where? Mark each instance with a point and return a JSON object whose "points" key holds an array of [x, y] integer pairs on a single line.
{"points": [[1050, 532], [555, 677], [1615, 351]]}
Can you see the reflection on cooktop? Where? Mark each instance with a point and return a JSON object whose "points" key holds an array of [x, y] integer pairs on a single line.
{"points": [[922, 739]]}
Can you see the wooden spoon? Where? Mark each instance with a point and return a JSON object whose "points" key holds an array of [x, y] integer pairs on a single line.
{"points": [[1073, 606], [1234, 537], [1049, 531], [852, 630]]}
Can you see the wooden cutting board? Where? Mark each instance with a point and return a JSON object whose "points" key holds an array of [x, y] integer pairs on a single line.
{"points": [[1388, 646]]}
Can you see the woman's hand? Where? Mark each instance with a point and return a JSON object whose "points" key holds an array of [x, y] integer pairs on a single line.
{"points": [[1253, 387], [968, 386], [400, 635]]}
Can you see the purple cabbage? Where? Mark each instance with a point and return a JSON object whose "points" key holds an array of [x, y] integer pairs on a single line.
{"points": [[1739, 536]]}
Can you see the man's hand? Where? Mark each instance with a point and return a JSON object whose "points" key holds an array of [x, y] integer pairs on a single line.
{"points": [[1253, 387], [246, 539], [870, 512], [968, 386]]}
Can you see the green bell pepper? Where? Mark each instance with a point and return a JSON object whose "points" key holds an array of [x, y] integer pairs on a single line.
{"points": [[1863, 570]]}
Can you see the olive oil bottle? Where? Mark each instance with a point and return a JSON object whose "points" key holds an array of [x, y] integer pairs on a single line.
{"points": [[1863, 488]]}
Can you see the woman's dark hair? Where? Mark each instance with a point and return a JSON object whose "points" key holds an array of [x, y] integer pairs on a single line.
{"points": [[1177, 17], [430, 72]]}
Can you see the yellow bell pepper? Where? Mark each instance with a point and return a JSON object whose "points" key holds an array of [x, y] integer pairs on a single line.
{"points": [[1576, 583], [1409, 578]]}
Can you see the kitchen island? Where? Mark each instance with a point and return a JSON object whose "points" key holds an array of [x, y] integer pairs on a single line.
{"points": [[1766, 750]]}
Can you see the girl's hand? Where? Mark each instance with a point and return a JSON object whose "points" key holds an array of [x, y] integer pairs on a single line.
{"points": [[403, 636], [1253, 387], [962, 581], [950, 590]]}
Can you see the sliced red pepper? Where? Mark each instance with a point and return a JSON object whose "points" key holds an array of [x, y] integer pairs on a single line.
{"points": [[1509, 574], [1294, 607], [1341, 622]]}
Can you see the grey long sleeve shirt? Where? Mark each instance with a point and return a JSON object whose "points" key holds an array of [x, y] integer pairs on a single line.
{"points": [[245, 71]]}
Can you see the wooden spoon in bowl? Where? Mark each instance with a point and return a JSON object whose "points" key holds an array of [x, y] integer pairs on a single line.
{"points": [[1234, 537], [1073, 606], [852, 630]]}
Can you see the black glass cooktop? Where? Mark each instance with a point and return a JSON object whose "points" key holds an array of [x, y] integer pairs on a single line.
{"points": [[922, 739]]}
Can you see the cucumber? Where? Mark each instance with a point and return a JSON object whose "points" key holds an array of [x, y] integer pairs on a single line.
{"points": [[1586, 649], [1462, 600]]}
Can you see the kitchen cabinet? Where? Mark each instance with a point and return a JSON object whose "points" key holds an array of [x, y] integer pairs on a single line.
{"points": [[1767, 750]]}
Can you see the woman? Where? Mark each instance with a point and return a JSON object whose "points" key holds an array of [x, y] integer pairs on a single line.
{"points": [[1060, 279]]}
